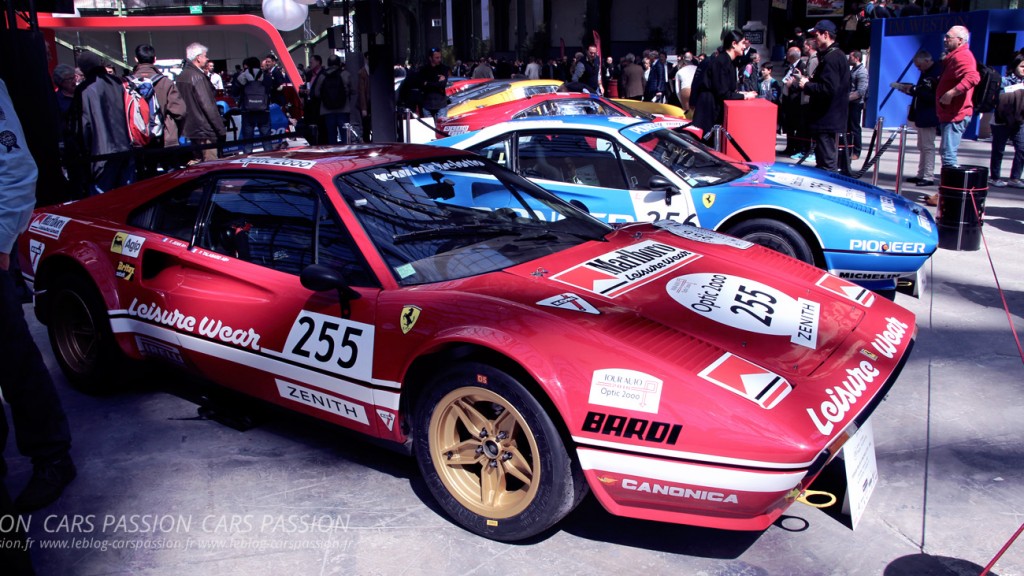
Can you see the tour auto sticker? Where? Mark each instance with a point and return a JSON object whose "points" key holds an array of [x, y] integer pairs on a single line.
{"points": [[569, 301], [748, 305], [763, 387], [410, 314]]}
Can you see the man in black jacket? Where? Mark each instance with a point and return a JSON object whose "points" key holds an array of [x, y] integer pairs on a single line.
{"points": [[203, 124], [828, 89], [100, 127]]}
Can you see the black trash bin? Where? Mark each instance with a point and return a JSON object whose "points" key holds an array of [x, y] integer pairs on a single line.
{"points": [[962, 194]]}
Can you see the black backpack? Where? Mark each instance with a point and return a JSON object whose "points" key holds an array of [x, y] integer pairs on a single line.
{"points": [[332, 91], [986, 93], [255, 97]]}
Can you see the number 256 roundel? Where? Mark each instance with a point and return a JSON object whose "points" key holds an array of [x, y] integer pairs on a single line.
{"points": [[748, 305]]}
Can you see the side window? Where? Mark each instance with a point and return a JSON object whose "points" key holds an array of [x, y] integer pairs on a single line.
{"points": [[280, 224], [496, 152], [172, 214], [587, 160], [638, 174]]}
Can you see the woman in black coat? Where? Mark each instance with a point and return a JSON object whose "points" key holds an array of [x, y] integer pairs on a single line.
{"points": [[719, 82]]}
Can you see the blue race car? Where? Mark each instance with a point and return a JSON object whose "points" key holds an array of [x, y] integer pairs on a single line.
{"points": [[623, 169]]}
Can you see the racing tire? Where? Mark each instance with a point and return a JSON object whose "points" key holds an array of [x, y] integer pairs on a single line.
{"points": [[491, 456], [776, 235], [80, 335]]}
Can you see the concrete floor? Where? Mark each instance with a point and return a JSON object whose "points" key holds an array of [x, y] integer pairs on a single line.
{"points": [[163, 491]]}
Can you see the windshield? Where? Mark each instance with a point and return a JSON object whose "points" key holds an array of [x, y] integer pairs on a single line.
{"points": [[446, 219], [688, 159], [569, 107]]}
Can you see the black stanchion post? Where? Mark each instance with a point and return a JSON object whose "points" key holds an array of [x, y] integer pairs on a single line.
{"points": [[962, 193]]}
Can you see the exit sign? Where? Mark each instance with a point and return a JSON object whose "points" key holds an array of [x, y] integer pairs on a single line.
{"points": [[195, 9]]}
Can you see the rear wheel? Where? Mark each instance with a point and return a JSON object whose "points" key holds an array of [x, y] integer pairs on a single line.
{"points": [[491, 456], [80, 335], [775, 235]]}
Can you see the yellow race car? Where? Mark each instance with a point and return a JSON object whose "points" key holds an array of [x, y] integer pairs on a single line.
{"points": [[495, 92]]}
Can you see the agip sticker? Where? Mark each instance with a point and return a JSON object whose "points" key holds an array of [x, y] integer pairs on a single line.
{"points": [[748, 305]]}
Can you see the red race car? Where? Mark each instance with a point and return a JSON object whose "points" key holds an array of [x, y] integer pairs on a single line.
{"points": [[551, 104], [521, 350]]}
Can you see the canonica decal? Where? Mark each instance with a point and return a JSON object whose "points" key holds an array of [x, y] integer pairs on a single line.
{"points": [[330, 343], [629, 389], [748, 305], [760, 386], [569, 301], [614, 273], [49, 225], [861, 296], [701, 234], [844, 397], [678, 491]]}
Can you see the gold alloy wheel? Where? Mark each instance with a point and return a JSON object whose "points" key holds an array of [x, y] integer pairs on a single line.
{"points": [[484, 452], [75, 331]]}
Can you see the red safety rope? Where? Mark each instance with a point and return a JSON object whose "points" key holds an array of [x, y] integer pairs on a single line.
{"points": [[1020, 351]]}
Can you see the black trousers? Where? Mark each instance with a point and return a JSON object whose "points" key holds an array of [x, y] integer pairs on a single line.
{"points": [[40, 426], [826, 151]]}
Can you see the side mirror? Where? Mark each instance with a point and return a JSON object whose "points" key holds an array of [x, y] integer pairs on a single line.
{"points": [[319, 278], [579, 206], [662, 183]]}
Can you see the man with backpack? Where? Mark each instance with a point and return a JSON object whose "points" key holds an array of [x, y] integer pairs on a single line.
{"points": [[334, 90], [169, 107], [254, 102], [203, 124]]}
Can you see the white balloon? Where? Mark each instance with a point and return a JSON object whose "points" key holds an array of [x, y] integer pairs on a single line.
{"points": [[284, 14]]}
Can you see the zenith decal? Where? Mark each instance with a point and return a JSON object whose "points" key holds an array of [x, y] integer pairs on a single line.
{"points": [[842, 398], [127, 244], [763, 387], [569, 301], [748, 305], [614, 273], [629, 389], [860, 295], [206, 327], [624, 427], [35, 252], [701, 234], [410, 314], [321, 401], [678, 491], [49, 225]]}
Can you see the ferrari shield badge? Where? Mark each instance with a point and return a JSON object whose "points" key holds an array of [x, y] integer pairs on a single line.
{"points": [[410, 314], [708, 200]]}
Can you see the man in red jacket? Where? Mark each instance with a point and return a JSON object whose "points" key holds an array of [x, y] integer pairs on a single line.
{"points": [[954, 92]]}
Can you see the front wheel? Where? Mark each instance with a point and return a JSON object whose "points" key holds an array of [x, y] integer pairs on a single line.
{"points": [[491, 456], [80, 335], [775, 235]]}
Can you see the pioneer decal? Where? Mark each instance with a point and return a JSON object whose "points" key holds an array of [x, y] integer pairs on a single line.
{"points": [[748, 305], [629, 389], [883, 246], [842, 398], [614, 273]]}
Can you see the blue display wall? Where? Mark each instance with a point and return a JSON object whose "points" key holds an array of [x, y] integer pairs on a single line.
{"points": [[995, 36]]}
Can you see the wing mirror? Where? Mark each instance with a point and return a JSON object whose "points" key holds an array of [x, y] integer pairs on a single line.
{"points": [[662, 183], [579, 206], [320, 278]]}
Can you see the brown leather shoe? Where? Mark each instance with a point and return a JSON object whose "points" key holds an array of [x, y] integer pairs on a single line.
{"points": [[932, 200]]}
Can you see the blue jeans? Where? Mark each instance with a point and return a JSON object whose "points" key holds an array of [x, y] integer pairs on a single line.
{"points": [[1000, 134], [252, 121], [336, 131], [952, 133]]}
